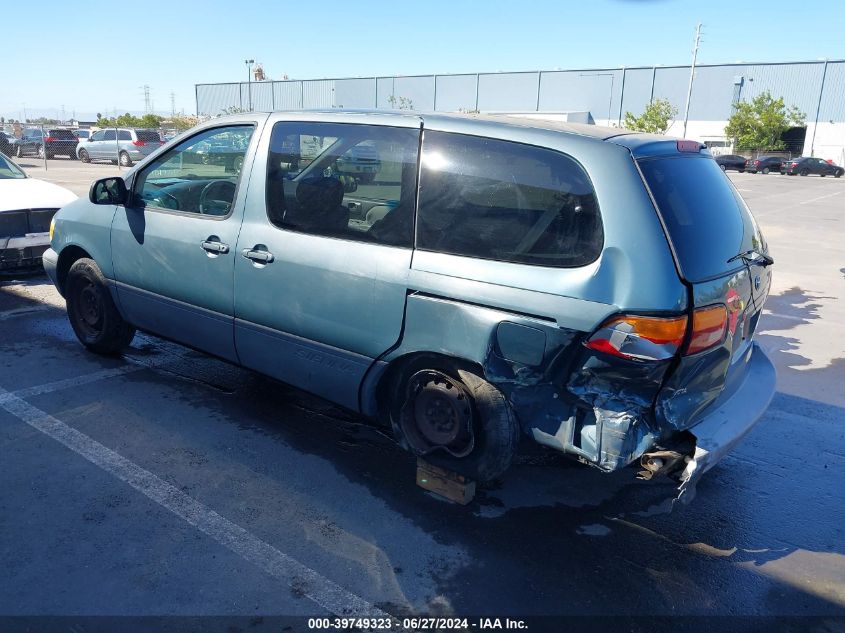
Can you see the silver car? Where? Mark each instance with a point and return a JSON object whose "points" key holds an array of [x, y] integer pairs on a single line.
{"points": [[119, 145]]}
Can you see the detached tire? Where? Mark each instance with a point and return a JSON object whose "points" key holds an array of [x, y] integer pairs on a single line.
{"points": [[495, 430], [92, 313]]}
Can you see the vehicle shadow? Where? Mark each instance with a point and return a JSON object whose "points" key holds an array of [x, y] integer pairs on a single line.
{"points": [[553, 537]]}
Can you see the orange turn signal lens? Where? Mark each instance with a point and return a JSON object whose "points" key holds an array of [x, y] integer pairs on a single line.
{"points": [[656, 329], [640, 338]]}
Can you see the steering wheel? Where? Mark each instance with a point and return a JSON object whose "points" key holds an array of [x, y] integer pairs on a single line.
{"points": [[165, 201], [216, 197]]}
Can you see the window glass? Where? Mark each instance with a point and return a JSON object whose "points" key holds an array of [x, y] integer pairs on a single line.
{"points": [[109, 135], [124, 135], [506, 201], [200, 175], [349, 181], [9, 170], [706, 218], [148, 136], [98, 136]]}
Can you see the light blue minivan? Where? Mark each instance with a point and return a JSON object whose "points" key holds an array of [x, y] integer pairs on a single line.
{"points": [[493, 279]]}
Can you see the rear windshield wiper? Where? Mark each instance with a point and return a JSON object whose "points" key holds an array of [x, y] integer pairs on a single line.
{"points": [[753, 257]]}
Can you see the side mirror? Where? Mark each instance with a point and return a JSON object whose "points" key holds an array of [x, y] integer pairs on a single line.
{"points": [[108, 191]]}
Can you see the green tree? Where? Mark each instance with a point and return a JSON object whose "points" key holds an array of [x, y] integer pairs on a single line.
{"points": [[129, 120], [181, 122], [760, 123], [656, 118]]}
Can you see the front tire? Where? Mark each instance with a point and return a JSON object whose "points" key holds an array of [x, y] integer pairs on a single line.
{"points": [[92, 313], [18, 151], [765, 170], [803, 172], [838, 174], [84, 157], [40, 152]]}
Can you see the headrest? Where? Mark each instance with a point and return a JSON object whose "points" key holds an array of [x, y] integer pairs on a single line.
{"points": [[320, 192]]}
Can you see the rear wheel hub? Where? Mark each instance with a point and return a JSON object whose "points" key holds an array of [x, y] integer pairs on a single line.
{"points": [[437, 414]]}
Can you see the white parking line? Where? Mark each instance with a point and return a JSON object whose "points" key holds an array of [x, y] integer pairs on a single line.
{"points": [[68, 383], [322, 591], [820, 198]]}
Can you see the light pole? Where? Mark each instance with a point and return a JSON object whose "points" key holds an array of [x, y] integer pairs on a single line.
{"points": [[610, 98], [692, 75], [249, 63]]}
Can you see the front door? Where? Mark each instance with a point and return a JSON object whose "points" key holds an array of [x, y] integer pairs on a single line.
{"points": [[173, 245], [324, 253]]}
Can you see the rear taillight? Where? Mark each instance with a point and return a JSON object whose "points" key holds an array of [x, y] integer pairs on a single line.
{"points": [[647, 338], [708, 328], [756, 162], [50, 139], [640, 337], [138, 143]]}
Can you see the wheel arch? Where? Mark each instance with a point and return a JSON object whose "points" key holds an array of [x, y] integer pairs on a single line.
{"points": [[67, 257]]}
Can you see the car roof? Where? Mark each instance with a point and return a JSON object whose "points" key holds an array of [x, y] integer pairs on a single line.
{"points": [[539, 121]]}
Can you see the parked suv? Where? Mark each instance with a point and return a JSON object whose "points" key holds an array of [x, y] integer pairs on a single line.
{"points": [[589, 288], [57, 141], [764, 164], [123, 145], [806, 165]]}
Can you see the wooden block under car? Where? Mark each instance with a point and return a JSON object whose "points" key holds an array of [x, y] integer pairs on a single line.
{"points": [[445, 483]]}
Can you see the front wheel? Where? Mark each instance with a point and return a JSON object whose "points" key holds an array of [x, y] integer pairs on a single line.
{"points": [[92, 313], [84, 157], [723, 168], [803, 172], [40, 152], [839, 174], [457, 421], [18, 151], [765, 170]]}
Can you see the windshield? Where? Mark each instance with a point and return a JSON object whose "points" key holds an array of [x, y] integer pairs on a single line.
{"points": [[9, 170], [707, 220]]}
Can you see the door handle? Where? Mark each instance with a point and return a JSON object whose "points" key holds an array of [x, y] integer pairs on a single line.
{"points": [[214, 247], [258, 256]]}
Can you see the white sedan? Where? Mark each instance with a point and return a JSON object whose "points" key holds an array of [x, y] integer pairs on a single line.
{"points": [[26, 207]]}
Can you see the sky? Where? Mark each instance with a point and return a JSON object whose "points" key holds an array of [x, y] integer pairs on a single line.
{"points": [[85, 67]]}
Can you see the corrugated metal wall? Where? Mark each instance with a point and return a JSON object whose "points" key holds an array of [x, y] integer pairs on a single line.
{"points": [[598, 91]]}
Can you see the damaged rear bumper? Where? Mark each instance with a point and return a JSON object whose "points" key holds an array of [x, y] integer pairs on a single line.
{"points": [[729, 419]]}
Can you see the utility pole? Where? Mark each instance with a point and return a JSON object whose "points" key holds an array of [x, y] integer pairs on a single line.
{"points": [[692, 74], [249, 63], [148, 108]]}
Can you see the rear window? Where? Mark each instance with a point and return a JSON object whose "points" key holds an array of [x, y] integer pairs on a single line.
{"points": [[147, 135], [68, 134], [707, 220], [506, 201]]}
